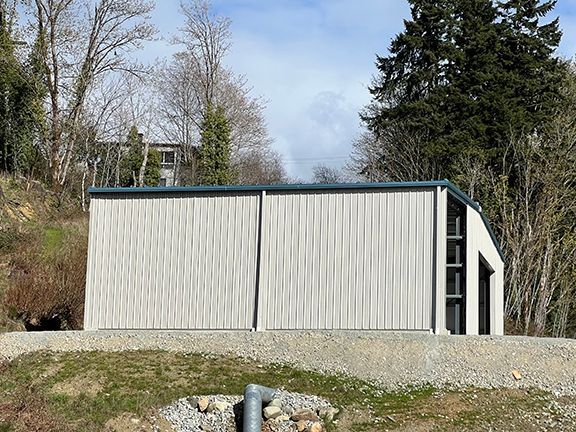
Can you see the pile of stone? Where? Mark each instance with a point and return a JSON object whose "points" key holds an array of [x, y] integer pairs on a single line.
{"points": [[203, 413], [288, 412], [281, 415]]}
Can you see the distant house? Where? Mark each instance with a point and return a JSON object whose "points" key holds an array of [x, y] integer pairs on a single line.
{"points": [[416, 256], [170, 158]]}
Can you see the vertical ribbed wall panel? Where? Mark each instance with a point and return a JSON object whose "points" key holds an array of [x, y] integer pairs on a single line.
{"points": [[172, 262], [347, 259]]}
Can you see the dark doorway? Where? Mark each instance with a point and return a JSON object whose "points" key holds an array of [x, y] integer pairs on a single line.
{"points": [[484, 298]]}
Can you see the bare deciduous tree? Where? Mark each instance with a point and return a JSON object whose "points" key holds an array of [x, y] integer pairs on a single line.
{"points": [[79, 41], [396, 155], [114, 105], [207, 39], [536, 222], [196, 78], [327, 175], [259, 167]]}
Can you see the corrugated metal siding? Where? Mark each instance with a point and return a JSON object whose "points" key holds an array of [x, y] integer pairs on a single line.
{"points": [[347, 260], [172, 262]]}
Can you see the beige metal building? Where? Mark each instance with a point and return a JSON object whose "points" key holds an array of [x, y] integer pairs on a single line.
{"points": [[416, 256]]}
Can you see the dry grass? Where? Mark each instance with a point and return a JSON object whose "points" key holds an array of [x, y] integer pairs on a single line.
{"points": [[47, 278]]}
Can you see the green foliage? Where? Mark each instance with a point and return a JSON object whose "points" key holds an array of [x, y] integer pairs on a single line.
{"points": [[19, 106], [468, 75], [215, 148], [132, 161], [152, 171], [52, 241]]}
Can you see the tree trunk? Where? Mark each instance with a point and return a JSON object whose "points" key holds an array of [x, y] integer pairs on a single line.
{"points": [[143, 166]]}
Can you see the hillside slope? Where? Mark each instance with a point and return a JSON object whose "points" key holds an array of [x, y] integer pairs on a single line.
{"points": [[43, 243]]}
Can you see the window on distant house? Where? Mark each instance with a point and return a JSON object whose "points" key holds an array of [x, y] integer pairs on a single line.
{"points": [[168, 157], [162, 182]]}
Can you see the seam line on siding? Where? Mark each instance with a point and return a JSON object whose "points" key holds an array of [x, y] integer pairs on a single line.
{"points": [[255, 322]]}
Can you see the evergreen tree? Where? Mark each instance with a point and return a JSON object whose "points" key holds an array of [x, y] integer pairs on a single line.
{"points": [[412, 80], [215, 148], [132, 161], [18, 105], [474, 95], [152, 170], [467, 75], [533, 75]]}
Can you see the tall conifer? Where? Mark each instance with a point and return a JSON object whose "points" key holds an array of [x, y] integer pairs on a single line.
{"points": [[215, 141], [468, 75], [17, 104]]}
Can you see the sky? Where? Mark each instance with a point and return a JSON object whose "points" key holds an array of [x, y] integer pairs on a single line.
{"points": [[312, 61]]}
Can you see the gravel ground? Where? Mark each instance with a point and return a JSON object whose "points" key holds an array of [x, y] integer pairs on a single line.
{"points": [[391, 360]]}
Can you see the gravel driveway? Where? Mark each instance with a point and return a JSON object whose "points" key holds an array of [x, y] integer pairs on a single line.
{"points": [[391, 360]]}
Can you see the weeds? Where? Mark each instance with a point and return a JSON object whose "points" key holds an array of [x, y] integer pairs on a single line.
{"points": [[47, 279]]}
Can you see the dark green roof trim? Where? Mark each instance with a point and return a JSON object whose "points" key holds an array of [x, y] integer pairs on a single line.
{"points": [[457, 193], [276, 187]]}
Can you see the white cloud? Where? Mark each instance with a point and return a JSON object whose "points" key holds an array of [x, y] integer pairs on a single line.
{"points": [[313, 62]]}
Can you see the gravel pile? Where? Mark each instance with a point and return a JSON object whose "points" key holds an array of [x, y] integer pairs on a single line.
{"points": [[391, 360], [296, 411], [185, 416]]}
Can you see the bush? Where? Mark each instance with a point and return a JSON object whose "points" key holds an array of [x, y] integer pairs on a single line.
{"points": [[47, 279]]}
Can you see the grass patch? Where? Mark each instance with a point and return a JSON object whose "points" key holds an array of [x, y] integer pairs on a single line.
{"points": [[52, 241], [84, 391]]}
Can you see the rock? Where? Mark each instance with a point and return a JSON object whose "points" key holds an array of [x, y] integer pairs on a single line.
{"points": [[316, 427], [271, 412], [203, 404], [269, 426], [206, 427], [193, 402], [276, 403], [516, 374], [304, 414], [288, 409], [282, 418], [218, 406], [301, 425], [328, 413]]}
